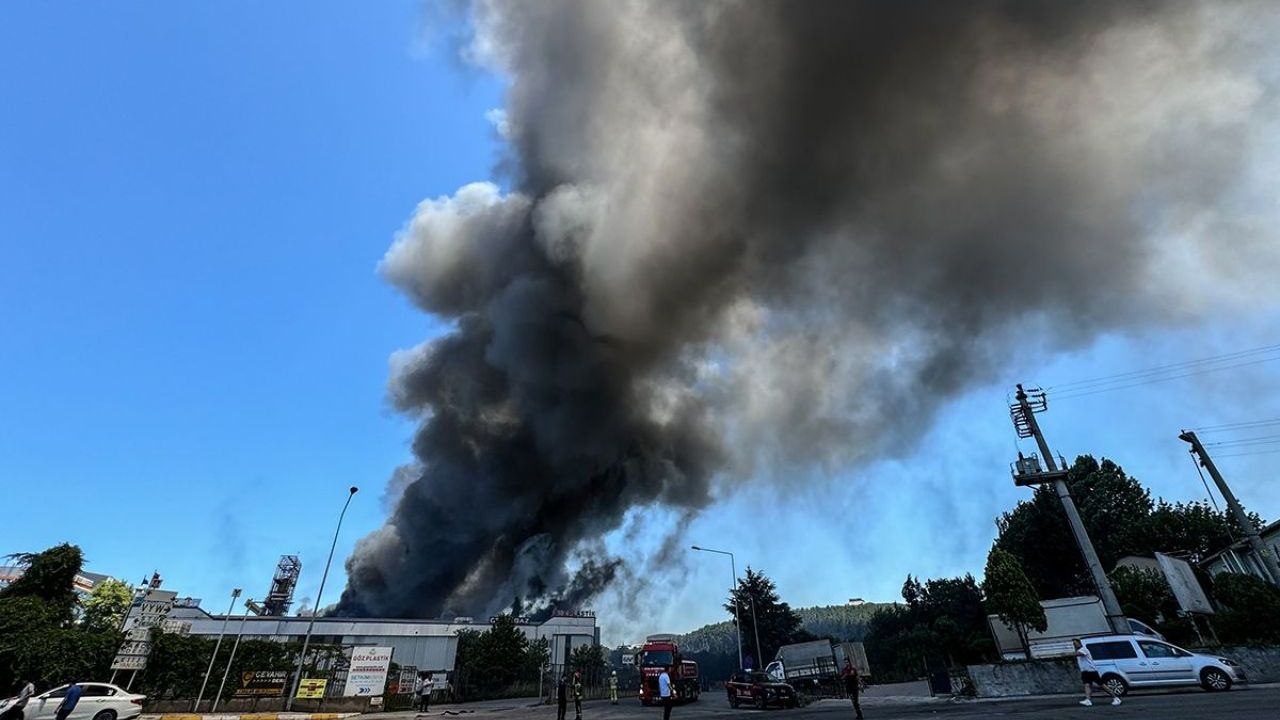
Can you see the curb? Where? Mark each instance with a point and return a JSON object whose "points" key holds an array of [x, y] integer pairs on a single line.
{"points": [[248, 716]]}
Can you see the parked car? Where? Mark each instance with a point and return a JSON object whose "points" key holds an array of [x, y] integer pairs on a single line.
{"points": [[99, 701], [758, 689], [1135, 661]]}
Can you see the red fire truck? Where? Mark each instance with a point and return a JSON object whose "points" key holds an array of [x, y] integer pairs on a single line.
{"points": [[661, 652]]}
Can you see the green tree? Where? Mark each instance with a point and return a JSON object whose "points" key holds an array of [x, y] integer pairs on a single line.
{"points": [[1192, 530], [50, 577], [778, 624], [1011, 596], [106, 606], [1144, 595], [492, 659], [952, 610], [537, 655], [588, 658], [1121, 519]]}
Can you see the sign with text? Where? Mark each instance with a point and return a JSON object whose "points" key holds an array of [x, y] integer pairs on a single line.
{"points": [[311, 688], [262, 683], [408, 676], [149, 610], [368, 673]]}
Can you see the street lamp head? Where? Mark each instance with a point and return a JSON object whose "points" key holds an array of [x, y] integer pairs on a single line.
{"points": [[354, 489], [695, 547]]}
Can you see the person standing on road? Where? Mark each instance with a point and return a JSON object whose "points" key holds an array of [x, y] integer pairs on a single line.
{"points": [[20, 701], [851, 685], [1089, 675], [69, 702], [562, 697], [577, 694], [664, 694], [424, 695], [613, 688]]}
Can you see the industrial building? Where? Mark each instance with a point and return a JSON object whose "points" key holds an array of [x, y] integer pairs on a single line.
{"points": [[424, 644], [82, 585]]}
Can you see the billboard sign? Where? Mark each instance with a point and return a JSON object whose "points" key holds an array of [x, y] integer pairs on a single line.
{"points": [[149, 610], [368, 673], [408, 676], [262, 683], [311, 688], [1186, 587]]}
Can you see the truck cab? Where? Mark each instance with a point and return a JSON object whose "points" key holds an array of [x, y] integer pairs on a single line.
{"points": [[661, 652]]}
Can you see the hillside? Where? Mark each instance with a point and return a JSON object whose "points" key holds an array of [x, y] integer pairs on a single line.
{"points": [[843, 622]]}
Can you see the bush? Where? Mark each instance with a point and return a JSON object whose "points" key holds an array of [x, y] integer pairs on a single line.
{"points": [[1251, 607]]}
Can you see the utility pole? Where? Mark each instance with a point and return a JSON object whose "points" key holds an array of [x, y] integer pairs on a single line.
{"points": [[737, 614], [315, 608], [231, 659], [1264, 555], [196, 708], [1024, 420]]}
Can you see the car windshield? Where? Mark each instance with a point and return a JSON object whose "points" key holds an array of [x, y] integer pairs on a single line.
{"points": [[757, 677], [663, 658]]}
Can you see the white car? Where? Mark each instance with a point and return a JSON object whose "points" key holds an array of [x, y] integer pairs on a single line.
{"points": [[1135, 661], [99, 701]]}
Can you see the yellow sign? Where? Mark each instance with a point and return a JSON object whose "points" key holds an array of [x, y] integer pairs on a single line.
{"points": [[311, 688]]}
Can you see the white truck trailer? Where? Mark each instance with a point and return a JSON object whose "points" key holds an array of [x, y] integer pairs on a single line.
{"points": [[1068, 618]]}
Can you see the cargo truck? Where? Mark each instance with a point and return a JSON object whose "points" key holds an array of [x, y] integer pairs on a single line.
{"points": [[814, 668], [661, 652]]}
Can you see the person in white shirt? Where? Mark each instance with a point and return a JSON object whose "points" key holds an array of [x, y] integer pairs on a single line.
{"points": [[664, 694], [19, 701], [1089, 675]]}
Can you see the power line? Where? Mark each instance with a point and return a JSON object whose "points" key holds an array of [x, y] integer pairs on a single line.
{"points": [[1209, 492], [1085, 392], [1232, 427], [1247, 454], [1264, 440], [1171, 367]]}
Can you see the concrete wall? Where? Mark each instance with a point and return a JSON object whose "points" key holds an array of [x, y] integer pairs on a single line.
{"points": [[1036, 677], [1260, 664], [1060, 676]]}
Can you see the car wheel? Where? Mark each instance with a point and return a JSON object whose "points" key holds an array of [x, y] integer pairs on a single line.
{"points": [[733, 702], [759, 702], [105, 715], [1214, 680], [1115, 685]]}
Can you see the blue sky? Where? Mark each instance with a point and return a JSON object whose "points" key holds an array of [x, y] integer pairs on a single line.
{"points": [[194, 340]]}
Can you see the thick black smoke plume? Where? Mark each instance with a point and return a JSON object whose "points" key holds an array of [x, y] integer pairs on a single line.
{"points": [[744, 235]]}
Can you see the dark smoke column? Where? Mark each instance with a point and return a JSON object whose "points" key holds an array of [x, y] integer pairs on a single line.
{"points": [[531, 440], [750, 236]]}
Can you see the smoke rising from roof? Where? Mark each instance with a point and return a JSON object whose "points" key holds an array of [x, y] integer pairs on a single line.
{"points": [[745, 235]]}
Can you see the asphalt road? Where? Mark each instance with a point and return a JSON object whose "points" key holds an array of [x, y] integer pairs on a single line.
{"points": [[1238, 704]]}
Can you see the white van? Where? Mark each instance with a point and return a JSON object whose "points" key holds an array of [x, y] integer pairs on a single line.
{"points": [[1126, 661]]}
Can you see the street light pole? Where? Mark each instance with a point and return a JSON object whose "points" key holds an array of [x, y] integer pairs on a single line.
{"points": [[315, 608], [737, 619], [231, 659], [234, 594]]}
